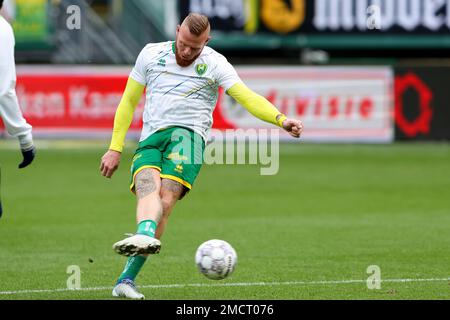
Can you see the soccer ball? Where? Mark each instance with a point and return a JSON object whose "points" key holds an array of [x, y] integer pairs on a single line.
{"points": [[216, 259]]}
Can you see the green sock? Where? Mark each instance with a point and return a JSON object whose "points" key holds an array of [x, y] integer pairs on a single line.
{"points": [[134, 264], [132, 268], [147, 227]]}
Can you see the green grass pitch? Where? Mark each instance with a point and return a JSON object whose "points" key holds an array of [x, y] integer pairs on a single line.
{"points": [[309, 232]]}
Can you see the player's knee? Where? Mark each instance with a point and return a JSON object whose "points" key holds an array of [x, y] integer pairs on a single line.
{"points": [[169, 199]]}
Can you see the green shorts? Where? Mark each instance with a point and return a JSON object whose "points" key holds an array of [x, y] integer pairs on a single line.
{"points": [[175, 151]]}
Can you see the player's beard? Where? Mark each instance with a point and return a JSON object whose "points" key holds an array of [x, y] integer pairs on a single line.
{"points": [[183, 62]]}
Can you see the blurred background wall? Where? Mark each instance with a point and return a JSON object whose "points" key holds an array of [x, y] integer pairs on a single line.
{"points": [[346, 67]]}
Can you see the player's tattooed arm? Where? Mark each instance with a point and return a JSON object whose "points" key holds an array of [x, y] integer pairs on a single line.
{"points": [[145, 183]]}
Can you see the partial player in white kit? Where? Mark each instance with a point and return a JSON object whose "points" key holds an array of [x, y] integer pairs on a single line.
{"points": [[10, 111], [182, 79]]}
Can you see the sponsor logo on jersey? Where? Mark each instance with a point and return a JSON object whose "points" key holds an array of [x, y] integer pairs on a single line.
{"points": [[177, 157]]}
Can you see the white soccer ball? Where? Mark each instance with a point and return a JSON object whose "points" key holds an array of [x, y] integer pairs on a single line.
{"points": [[216, 259]]}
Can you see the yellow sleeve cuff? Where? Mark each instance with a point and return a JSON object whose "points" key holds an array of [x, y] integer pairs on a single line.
{"points": [[280, 118], [257, 105], [124, 114]]}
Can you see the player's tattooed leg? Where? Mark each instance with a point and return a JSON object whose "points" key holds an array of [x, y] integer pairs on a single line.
{"points": [[175, 188], [145, 183]]}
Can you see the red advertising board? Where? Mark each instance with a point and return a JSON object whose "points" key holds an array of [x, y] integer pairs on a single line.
{"points": [[60, 101]]}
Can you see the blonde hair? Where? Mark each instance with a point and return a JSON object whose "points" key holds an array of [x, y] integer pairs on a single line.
{"points": [[197, 23]]}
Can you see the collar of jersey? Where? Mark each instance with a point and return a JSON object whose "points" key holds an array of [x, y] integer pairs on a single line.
{"points": [[173, 47]]}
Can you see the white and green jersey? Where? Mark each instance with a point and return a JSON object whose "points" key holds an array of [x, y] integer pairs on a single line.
{"points": [[181, 96]]}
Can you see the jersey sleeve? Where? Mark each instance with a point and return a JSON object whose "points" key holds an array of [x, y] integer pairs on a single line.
{"points": [[226, 74], [139, 70]]}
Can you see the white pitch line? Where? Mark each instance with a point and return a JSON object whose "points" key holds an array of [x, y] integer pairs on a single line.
{"points": [[231, 284]]}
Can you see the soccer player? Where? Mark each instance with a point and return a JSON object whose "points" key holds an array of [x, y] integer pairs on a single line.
{"points": [[10, 112], [182, 79]]}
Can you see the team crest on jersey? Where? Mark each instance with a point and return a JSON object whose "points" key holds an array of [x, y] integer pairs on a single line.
{"points": [[201, 69]]}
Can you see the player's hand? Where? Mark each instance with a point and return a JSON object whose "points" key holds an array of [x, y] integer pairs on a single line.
{"points": [[110, 163], [294, 127]]}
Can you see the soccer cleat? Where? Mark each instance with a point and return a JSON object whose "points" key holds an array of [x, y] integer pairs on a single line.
{"points": [[137, 244], [127, 289]]}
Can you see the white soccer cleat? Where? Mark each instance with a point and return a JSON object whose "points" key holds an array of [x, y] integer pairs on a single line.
{"points": [[136, 245], [127, 289]]}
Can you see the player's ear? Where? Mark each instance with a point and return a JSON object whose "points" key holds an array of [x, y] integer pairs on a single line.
{"points": [[207, 40], [178, 28]]}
